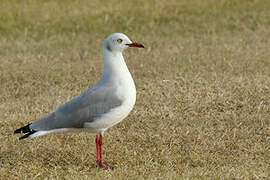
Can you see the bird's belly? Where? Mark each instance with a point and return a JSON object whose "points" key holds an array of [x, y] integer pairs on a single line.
{"points": [[112, 117]]}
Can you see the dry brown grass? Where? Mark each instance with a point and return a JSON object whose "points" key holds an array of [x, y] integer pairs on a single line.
{"points": [[203, 88]]}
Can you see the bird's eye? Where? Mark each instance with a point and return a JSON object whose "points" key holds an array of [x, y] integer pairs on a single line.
{"points": [[119, 40]]}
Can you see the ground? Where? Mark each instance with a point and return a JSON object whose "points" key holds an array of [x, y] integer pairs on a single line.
{"points": [[203, 88]]}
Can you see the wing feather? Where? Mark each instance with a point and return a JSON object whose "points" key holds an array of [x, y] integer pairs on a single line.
{"points": [[87, 107]]}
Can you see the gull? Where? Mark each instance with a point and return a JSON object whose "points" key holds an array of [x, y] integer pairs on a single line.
{"points": [[98, 108]]}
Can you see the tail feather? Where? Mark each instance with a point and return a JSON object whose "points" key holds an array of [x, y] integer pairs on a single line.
{"points": [[25, 129]]}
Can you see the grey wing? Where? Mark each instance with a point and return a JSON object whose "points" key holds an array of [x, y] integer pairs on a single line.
{"points": [[86, 107]]}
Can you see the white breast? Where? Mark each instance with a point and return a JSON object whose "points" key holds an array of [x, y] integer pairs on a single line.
{"points": [[117, 114]]}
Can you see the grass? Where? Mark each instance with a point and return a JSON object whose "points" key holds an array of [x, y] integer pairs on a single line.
{"points": [[203, 88]]}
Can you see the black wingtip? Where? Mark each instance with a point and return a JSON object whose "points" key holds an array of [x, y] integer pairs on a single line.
{"points": [[25, 129]]}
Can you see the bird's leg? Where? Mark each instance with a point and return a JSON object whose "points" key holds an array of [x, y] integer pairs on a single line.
{"points": [[99, 152], [98, 148]]}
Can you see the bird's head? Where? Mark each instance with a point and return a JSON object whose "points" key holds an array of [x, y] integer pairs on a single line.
{"points": [[118, 42]]}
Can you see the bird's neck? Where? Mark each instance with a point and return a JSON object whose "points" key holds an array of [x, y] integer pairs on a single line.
{"points": [[114, 67]]}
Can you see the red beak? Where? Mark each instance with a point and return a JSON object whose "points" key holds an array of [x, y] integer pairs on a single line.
{"points": [[134, 44]]}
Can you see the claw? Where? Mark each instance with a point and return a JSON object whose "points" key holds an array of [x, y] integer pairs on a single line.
{"points": [[105, 165]]}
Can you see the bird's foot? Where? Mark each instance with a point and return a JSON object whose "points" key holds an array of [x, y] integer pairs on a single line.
{"points": [[104, 165]]}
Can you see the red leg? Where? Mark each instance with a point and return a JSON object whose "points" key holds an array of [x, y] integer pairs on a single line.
{"points": [[99, 145], [98, 149]]}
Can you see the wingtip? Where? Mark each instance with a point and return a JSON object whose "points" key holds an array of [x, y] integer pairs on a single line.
{"points": [[24, 129], [17, 131]]}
